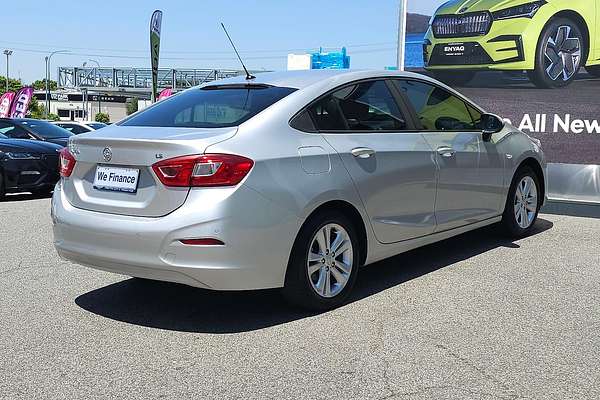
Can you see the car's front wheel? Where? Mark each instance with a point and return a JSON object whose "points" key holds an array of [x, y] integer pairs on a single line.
{"points": [[522, 204], [560, 53], [324, 262]]}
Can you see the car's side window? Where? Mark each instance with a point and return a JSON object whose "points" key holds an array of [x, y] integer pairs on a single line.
{"points": [[437, 109], [14, 132], [364, 106]]}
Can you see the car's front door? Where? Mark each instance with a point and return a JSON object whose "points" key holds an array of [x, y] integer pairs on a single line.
{"points": [[391, 165], [470, 178]]}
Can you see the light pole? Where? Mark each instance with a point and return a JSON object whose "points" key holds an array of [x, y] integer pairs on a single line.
{"points": [[99, 81], [48, 58], [7, 53]]}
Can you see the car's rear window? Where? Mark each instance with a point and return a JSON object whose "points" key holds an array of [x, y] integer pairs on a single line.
{"points": [[45, 129], [216, 106]]}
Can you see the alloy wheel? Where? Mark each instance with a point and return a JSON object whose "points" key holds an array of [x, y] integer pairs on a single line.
{"points": [[330, 260], [563, 54], [526, 202]]}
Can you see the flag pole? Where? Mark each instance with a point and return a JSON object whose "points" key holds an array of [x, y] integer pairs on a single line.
{"points": [[402, 11]]}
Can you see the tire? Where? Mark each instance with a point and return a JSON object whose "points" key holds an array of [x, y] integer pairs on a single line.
{"points": [[313, 290], [594, 70], [454, 77], [518, 225], [560, 40]]}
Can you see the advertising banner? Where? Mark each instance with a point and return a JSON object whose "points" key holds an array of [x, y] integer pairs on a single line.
{"points": [[21, 102], [5, 103], [165, 93], [155, 24], [526, 62]]}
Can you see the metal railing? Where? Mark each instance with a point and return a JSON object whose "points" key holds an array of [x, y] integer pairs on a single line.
{"points": [[138, 78]]}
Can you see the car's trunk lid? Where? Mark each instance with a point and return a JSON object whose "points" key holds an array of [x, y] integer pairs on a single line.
{"points": [[134, 148]]}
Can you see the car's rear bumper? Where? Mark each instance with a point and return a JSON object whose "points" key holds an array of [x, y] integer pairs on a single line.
{"points": [[257, 235]]}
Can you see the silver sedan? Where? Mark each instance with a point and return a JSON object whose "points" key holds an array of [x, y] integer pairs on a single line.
{"points": [[291, 180]]}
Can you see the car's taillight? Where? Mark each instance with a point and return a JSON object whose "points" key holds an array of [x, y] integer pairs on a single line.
{"points": [[203, 170], [66, 162]]}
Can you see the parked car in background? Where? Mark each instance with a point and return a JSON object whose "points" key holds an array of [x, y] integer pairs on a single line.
{"points": [[550, 39], [95, 125], [34, 129], [74, 127], [291, 180], [27, 166]]}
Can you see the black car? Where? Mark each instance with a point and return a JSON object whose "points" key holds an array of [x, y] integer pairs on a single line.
{"points": [[28, 166], [34, 129]]}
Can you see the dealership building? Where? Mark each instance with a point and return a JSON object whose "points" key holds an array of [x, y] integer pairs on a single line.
{"points": [[74, 105]]}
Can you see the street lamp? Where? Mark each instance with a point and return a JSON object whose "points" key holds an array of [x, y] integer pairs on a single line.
{"points": [[48, 58], [7, 53]]}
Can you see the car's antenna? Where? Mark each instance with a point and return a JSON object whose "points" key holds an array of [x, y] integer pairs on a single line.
{"points": [[248, 75]]}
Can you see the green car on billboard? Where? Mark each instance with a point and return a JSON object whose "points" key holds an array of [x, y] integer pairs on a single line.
{"points": [[550, 39]]}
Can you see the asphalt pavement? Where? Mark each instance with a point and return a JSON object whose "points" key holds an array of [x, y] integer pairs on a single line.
{"points": [[474, 317]]}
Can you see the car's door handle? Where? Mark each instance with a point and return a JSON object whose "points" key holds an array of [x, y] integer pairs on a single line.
{"points": [[446, 151], [362, 152]]}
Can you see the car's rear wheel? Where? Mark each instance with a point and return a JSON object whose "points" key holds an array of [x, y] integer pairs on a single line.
{"points": [[594, 70], [454, 77], [324, 262], [522, 204], [560, 53]]}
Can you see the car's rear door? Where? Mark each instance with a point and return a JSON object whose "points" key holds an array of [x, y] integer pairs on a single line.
{"points": [[471, 179], [391, 165]]}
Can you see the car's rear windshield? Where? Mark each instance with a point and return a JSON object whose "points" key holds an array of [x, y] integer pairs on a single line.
{"points": [[215, 106], [45, 129]]}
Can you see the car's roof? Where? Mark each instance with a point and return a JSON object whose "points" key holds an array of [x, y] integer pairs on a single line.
{"points": [[305, 78]]}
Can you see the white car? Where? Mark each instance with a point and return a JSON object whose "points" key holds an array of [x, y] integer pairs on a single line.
{"points": [[291, 180], [80, 127]]}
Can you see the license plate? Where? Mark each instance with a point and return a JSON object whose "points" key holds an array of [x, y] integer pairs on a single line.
{"points": [[455, 49], [117, 179]]}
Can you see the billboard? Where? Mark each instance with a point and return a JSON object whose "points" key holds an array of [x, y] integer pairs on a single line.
{"points": [[536, 64]]}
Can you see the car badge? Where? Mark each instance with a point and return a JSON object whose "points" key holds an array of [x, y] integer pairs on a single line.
{"points": [[464, 9], [107, 154]]}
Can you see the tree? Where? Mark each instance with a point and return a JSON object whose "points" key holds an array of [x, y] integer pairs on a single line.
{"points": [[132, 105], [102, 117], [40, 84], [13, 85]]}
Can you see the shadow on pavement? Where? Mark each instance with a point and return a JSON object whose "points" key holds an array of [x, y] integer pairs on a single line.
{"points": [[24, 197], [183, 308], [571, 209]]}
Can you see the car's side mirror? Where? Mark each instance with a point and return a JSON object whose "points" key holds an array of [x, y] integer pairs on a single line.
{"points": [[491, 124]]}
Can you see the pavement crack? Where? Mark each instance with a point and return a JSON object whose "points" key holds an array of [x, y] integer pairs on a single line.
{"points": [[481, 371]]}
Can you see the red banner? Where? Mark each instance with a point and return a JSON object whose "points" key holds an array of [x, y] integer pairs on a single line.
{"points": [[5, 103], [165, 93], [21, 102]]}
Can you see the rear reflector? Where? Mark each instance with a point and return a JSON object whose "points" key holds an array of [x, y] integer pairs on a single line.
{"points": [[203, 170], [202, 242], [66, 162]]}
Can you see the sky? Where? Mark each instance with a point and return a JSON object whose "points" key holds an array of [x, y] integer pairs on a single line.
{"points": [[116, 33]]}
